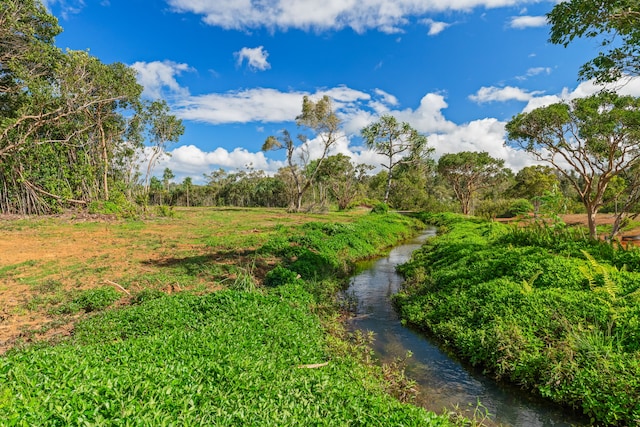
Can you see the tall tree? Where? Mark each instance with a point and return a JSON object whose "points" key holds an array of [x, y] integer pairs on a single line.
{"points": [[27, 33], [468, 173], [615, 22], [162, 128], [596, 138], [398, 142], [343, 179], [412, 184], [320, 119], [61, 115], [187, 184], [628, 191], [167, 176]]}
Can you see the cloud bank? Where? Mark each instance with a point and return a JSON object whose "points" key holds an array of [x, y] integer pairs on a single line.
{"points": [[388, 16]]}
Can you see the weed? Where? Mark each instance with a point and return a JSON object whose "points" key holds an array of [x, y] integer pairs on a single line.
{"points": [[89, 300]]}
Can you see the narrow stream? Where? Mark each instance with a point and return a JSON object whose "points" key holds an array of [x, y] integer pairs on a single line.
{"points": [[444, 382]]}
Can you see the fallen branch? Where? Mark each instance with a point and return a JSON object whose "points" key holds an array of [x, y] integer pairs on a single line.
{"points": [[109, 282], [313, 365]]}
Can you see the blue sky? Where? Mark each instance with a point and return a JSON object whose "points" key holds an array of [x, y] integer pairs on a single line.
{"points": [[235, 71]]}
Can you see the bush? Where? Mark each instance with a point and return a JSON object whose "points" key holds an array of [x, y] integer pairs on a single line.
{"points": [[519, 207], [280, 276], [90, 300], [147, 295], [380, 208]]}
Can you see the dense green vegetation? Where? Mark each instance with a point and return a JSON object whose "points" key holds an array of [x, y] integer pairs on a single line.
{"points": [[227, 358], [542, 307], [248, 355]]}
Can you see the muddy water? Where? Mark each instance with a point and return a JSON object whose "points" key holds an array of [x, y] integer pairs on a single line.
{"points": [[444, 382]]}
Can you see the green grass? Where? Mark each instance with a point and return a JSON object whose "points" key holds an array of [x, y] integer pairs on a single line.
{"points": [[243, 356]]}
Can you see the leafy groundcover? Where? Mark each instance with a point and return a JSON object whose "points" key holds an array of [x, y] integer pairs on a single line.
{"points": [[546, 309]]}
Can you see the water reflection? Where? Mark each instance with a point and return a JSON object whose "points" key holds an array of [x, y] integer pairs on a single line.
{"points": [[444, 382]]}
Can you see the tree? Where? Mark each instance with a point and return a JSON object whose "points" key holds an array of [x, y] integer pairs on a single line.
{"points": [[62, 115], [319, 118], [627, 189], [398, 142], [162, 128], [187, 184], [617, 22], [167, 176], [27, 32], [285, 141], [532, 182], [468, 173], [411, 185], [343, 178], [596, 138]]}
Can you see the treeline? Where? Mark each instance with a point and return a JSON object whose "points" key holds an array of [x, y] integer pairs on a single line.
{"points": [[534, 189]]}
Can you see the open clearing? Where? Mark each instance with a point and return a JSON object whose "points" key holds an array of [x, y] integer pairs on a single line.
{"points": [[44, 261]]}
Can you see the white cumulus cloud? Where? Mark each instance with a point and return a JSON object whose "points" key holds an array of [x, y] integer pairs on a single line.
{"points": [[159, 78], [251, 105], [258, 105], [521, 22], [501, 94], [626, 86], [192, 161], [256, 58]]}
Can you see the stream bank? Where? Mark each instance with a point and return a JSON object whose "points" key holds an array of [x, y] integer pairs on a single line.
{"points": [[444, 382]]}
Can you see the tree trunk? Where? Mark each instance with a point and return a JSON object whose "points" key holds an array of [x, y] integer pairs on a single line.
{"points": [[617, 225], [388, 189], [591, 220], [105, 161]]}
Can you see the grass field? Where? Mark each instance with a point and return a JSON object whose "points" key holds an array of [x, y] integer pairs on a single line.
{"points": [[211, 317]]}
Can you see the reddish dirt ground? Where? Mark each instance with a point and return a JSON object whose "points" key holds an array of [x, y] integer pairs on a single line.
{"points": [[74, 258]]}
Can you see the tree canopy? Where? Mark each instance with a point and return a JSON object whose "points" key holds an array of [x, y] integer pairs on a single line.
{"points": [[320, 119], [588, 140], [615, 22], [398, 142], [70, 125], [469, 172]]}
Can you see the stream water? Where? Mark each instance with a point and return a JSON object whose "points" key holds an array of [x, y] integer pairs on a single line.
{"points": [[444, 382]]}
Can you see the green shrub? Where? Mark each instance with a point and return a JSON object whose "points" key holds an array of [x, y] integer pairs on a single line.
{"points": [[165, 211], [380, 208], [280, 276], [519, 207], [147, 295], [90, 300]]}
